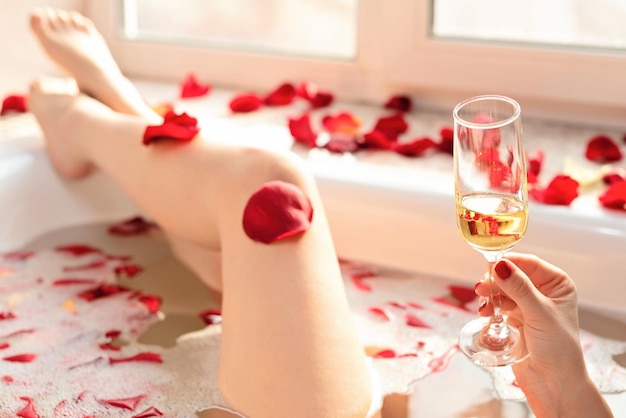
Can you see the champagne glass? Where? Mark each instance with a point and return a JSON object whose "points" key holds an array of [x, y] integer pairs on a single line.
{"points": [[492, 211]]}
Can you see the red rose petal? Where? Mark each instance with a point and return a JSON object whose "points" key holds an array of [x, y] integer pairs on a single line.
{"points": [[102, 291], [141, 357], [447, 140], [378, 140], [245, 102], [316, 97], [301, 130], [17, 255], [387, 353], [358, 282], [614, 175], [177, 127], [414, 321], [7, 315], [602, 149], [29, 410], [401, 103], [211, 316], [113, 333], [340, 143], [152, 302], [128, 270], [109, 346], [562, 190], [415, 148], [397, 305], [93, 265], [148, 413], [4, 346], [21, 358], [126, 403], [72, 281], [133, 226], [342, 122], [392, 126], [15, 103], [277, 210], [78, 249], [614, 196], [379, 313], [281, 96], [7, 379], [191, 87], [462, 293]]}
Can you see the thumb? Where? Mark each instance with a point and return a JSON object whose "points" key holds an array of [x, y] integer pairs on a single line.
{"points": [[512, 281]]}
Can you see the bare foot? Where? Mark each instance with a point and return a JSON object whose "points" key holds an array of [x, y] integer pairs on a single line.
{"points": [[54, 101], [74, 44]]}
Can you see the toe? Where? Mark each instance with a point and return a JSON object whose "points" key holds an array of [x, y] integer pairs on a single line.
{"points": [[37, 20]]}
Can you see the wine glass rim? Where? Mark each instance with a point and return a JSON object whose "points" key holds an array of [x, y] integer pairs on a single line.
{"points": [[517, 110]]}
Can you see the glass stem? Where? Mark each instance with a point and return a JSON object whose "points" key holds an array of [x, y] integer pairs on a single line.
{"points": [[496, 299]]}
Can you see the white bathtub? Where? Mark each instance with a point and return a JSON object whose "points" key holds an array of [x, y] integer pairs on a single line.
{"points": [[397, 216]]}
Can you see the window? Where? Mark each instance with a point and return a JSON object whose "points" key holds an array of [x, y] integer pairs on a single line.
{"points": [[562, 59]]}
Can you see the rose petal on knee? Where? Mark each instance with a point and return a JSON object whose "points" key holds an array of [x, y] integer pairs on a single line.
{"points": [[277, 210], [177, 127]]}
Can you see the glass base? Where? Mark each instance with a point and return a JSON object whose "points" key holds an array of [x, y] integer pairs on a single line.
{"points": [[477, 344]]}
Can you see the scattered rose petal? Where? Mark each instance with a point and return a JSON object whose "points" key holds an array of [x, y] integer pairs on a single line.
{"points": [[7, 379], [614, 197], [101, 291], [614, 175], [78, 249], [387, 353], [358, 283], [378, 140], [311, 92], [534, 166], [414, 321], [447, 140], [340, 143], [17, 255], [177, 127], [109, 346], [462, 293], [562, 190], [128, 270], [15, 103], [7, 315], [379, 313], [191, 87], [126, 403], [148, 413], [397, 305], [301, 130], [245, 102], [281, 96], [93, 265], [141, 357], [72, 281], [152, 302], [415, 148], [392, 126], [113, 333], [29, 410], [401, 103], [21, 358], [342, 122], [602, 149], [131, 227], [277, 210], [4, 345], [211, 316]]}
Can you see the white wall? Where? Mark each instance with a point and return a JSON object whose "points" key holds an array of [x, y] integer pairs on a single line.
{"points": [[20, 57]]}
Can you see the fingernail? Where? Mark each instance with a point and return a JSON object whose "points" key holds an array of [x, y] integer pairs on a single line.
{"points": [[482, 305], [503, 270], [477, 284]]}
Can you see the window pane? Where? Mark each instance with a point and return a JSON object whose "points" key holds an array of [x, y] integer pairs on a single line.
{"points": [[578, 23], [314, 28]]}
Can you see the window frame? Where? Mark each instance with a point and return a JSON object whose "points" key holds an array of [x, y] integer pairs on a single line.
{"points": [[397, 54]]}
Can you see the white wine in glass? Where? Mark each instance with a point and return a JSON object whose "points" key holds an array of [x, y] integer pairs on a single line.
{"points": [[492, 211]]}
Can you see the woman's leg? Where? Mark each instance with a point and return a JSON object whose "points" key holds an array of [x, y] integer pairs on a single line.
{"points": [[287, 330]]}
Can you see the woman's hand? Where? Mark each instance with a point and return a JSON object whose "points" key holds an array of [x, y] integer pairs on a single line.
{"points": [[543, 298]]}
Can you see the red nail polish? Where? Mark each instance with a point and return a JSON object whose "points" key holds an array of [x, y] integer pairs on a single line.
{"points": [[482, 305], [476, 285], [503, 270]]}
